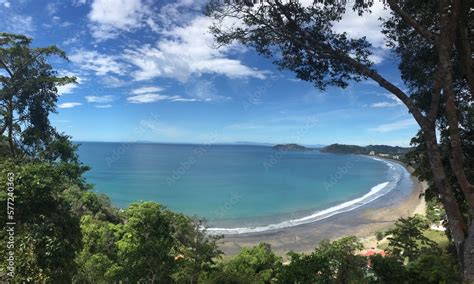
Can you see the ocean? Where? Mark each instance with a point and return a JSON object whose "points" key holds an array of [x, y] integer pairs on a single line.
{"points": [[239, 188]]}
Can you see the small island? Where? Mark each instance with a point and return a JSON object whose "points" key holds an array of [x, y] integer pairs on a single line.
{"points": [[292, 147]]}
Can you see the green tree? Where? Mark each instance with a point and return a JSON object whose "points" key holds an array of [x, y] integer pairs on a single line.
{"points": [[47, 232], [306, 269], [388, 269], [406, 239], [197, 252], [145, 244], [98, 259], [28, 94], [434, 213], [86, 202], [252, 265], [331, 262], [433, 268]]}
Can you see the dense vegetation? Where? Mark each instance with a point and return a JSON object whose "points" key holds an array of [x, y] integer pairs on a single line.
{"points": [[354, 149]]}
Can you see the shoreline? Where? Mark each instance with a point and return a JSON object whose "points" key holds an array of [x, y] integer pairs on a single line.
{"points": [[362, 222]]}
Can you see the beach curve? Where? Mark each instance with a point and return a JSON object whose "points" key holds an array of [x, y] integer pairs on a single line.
{"points": [[374, 193]]}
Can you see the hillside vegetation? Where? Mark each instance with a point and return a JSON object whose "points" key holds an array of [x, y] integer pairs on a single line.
{"points": [[354, 149]]}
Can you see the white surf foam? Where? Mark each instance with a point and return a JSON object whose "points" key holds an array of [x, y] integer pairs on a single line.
{"points": [[374, 193]]}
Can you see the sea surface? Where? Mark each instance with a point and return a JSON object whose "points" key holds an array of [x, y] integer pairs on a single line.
{"points": [[239, 188]]}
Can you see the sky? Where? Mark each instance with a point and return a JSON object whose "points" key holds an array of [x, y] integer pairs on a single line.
{"points": [[150, 71]]}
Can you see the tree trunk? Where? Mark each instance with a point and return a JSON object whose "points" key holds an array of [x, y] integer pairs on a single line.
{"points": [[450, 23], [456, 222], [457, 161], [9, 122], [446, 43], [463, 42], [468, 258]]}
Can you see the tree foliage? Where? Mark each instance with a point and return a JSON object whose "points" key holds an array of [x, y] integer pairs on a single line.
{"points": [[335, 262], [406, 239], [28, 94], [252, 265], [47, 233]]}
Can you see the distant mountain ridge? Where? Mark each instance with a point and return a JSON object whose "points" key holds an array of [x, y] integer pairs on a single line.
{"points": [[367, 150]]}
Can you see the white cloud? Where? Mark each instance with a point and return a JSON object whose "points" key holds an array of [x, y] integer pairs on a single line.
{"points": [[5, 3], [103, 106], [20, 24], [149, 94], [399, 125], [69, 88], [203, 90], [150, 89], [66, 89], [394, 101], [367, 25], [384, 104], [71, 40], [100, 99], [52, 8], [112, 81], [101, 32], [181, 99], [146, 98], [111, 16], [79, 2], [69, 105], [176, 12], [377, 57], [150, 98], [187, 50], [101, 64], [122, 14]]}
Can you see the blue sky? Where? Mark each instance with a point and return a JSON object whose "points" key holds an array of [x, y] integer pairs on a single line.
{"points": [[148, 71]]}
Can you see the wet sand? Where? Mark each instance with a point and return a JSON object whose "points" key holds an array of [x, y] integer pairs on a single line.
{"points": [[362, 222]]}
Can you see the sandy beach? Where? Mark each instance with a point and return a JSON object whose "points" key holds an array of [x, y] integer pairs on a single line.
{"points": [[362, 222]]}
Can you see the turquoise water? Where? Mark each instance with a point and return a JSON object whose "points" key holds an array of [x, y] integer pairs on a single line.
{"points": [[233, 186]]}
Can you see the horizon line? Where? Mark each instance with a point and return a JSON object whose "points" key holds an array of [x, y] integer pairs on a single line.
{"points": [[236, 143]]}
